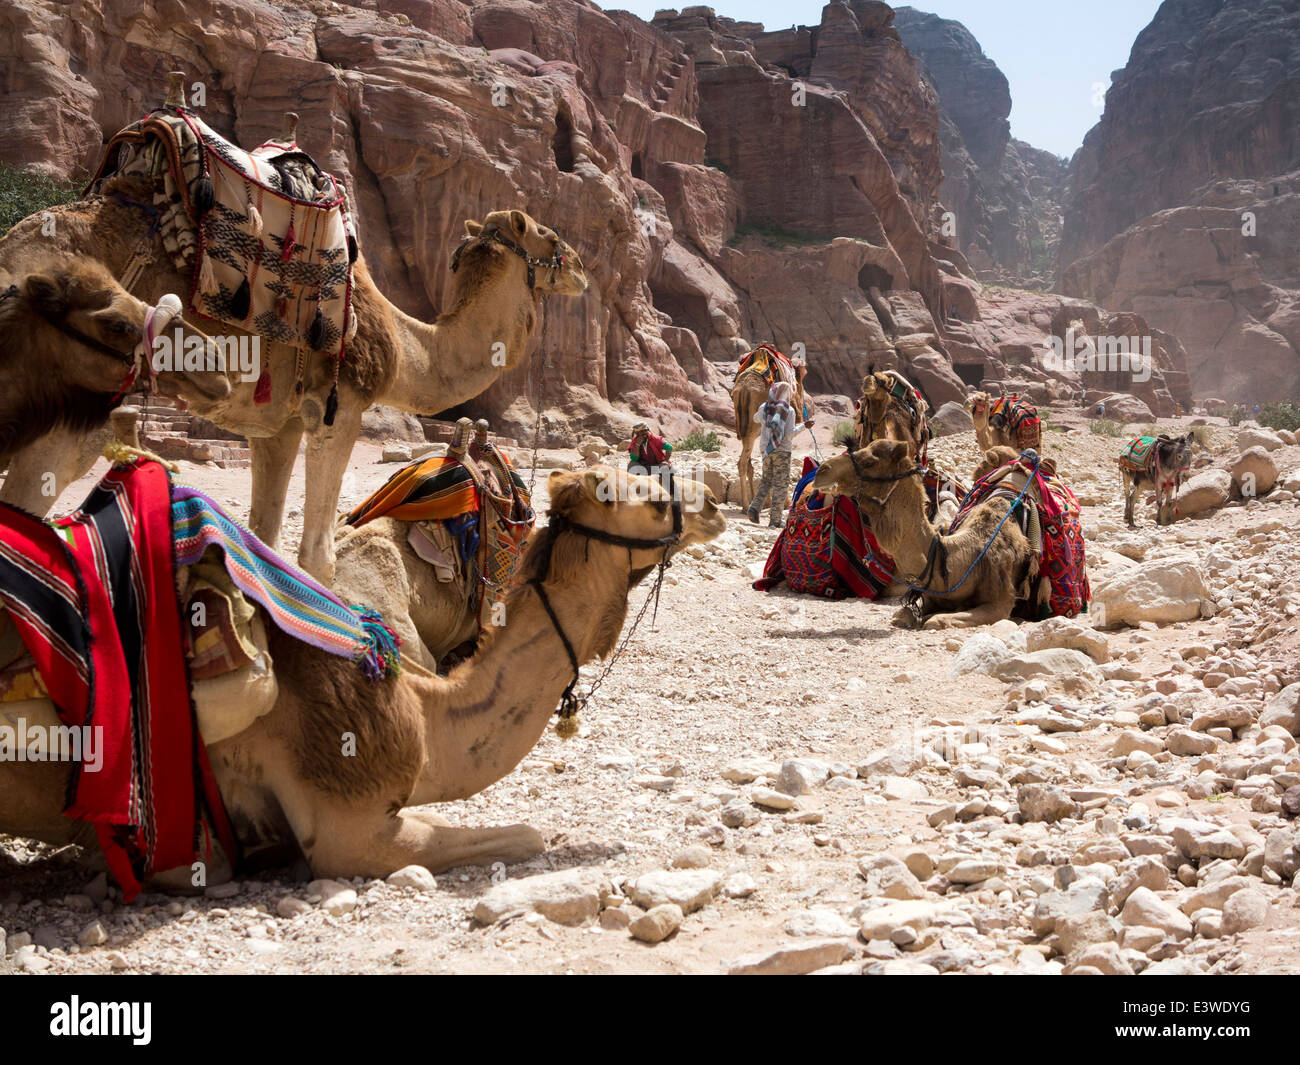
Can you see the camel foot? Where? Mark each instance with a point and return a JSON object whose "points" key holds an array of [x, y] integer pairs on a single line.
{"points": [[904, 618]]}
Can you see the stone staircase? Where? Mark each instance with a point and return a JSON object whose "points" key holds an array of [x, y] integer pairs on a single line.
{"points": [[175, 434]]}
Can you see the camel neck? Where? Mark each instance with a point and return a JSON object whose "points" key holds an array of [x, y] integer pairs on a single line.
{"points": [[901, 527], [484, 334], [490, 711]]}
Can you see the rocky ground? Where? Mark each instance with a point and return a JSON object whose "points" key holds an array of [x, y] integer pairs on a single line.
{"points": [[773, 783]]}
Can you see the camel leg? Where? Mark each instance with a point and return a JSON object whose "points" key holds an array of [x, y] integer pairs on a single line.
{"points": [[984, 614], [745, 467], [328, 454], [374, 843], [40, 472], [273, 459]]}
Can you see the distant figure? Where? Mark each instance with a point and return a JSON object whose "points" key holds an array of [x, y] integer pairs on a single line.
{"points": [[1101, 410], [647, 454], [1256, 412]]}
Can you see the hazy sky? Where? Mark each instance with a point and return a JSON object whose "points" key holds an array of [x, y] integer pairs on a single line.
{"points": [[1052, 51]]}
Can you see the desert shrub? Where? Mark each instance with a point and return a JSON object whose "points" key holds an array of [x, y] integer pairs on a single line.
{"points": [[1280, 416], [24, 192], [699, 440], [1236, 414], [1105, 427], [844, 436]]}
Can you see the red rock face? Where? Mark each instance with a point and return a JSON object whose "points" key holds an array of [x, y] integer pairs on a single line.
{"points": [[1185, 201], [711, 209]]}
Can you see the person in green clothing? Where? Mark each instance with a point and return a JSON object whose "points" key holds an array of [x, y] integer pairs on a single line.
{"points": [[647, 453]]}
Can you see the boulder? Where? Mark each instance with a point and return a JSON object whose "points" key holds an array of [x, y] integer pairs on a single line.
{"points": [[1283, 709], [1068, 632], [950, 419], [1144, 907], [1163, 591], [1254, 473], [1205, 491], [1251, 436], [569, 897]]}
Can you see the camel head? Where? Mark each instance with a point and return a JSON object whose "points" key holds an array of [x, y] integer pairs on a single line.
{"points": [[977, 404], [557, 268], [635, 507], [995, 458], [70, 346], [872, 470]]}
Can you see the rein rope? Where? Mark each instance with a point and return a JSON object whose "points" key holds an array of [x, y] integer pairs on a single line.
{"points": [[570, 703]]}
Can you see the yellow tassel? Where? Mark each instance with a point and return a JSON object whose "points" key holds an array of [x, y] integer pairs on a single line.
{"points": [[120, 454], [254, 218], [567, 727]]}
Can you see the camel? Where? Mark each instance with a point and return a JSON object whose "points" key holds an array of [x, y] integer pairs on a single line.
{"points": [[72, 343], [991, 426], [376, 565], [505, 265], [747, 395], [1161, 470], [420, 738], [983, 585], [884, 414]]}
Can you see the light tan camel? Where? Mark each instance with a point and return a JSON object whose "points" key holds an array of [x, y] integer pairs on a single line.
{"points": [[883, 414], [70, 347], [747, 395], [376, 565], [420, 738], [991, 427], [394, 359], [884, 479]]}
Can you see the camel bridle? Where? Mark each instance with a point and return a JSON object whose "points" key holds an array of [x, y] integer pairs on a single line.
{"points": [[559, 525], [493, 235]]}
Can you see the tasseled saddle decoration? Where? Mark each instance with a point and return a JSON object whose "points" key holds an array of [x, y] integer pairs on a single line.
{"points": [[382, 659]]}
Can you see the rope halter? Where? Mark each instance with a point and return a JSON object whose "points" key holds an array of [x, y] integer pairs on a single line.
{"points": [[492, 234]]}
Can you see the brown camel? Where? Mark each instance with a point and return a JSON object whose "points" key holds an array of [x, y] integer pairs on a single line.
{"points": [[747, 395], [71, 346], [419, 738], [983, 586], [376, 565], [886, 412], [394, 359], [1160, 470]]}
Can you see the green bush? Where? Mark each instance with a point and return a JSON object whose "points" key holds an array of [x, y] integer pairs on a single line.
{"points": [[24, 192], [773, 236], [1280, 416], [699, 440], [844, 436], [1105, 427], [1236, 414]]}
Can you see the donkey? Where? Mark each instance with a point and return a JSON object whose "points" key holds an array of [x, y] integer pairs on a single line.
{"points": [[1158, 463]]}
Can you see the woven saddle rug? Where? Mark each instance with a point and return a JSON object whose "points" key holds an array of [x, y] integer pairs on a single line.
{"points": [[769, 364], [1051, 518], [478, 499], [266, 236], [1021, 418], [826, 548], [93, 597], [1140, 454], [297, 604]]}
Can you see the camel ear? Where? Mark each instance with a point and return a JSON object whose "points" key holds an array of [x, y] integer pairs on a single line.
{"points": [[519, 223], [893, 450], [45, 294], [473, 228], [599, 486]]}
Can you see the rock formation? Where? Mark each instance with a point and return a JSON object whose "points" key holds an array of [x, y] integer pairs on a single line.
{"points": [[724, 184], [1184, 201]]}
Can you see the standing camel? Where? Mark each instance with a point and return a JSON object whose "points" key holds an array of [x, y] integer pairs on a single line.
{"points": [[503, 268], [748, 394], [421, 738], [891, 409]]}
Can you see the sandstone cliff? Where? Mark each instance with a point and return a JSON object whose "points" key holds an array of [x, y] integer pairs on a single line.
{"points": [[1184, 201], [723, 184]]}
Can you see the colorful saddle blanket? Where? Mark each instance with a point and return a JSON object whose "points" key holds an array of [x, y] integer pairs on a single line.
{"points": [[1139, 454], [478, 498], [297, 604], [826, 548], [769, 364], [266, 236], [93, 597], [1020, 417], [1051, 519]]}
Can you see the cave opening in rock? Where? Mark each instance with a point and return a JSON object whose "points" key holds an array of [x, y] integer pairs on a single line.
{"points": [[638, 170], [971, 373], [688, 310], [562, 144], [873, 276]]}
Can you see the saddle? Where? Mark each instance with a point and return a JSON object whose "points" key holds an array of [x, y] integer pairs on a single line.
{"points": [[1020, 417], [769, 364], [1051, 519], [267, 237], [469, 516]]}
